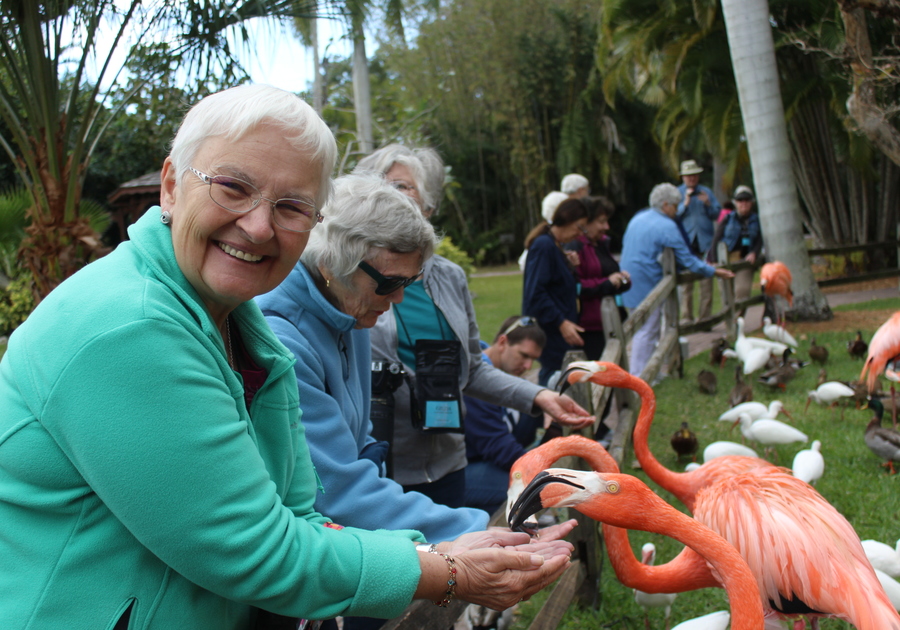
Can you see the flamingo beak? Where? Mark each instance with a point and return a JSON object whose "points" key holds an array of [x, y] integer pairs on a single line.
{"points": [[577, 372], [530, 502]]}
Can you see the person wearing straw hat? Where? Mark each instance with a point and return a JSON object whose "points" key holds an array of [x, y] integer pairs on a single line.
{"points": [[697, 212]]}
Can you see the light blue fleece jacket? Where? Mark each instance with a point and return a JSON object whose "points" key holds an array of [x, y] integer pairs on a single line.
{"points": [[334, 377], [132, 473]]}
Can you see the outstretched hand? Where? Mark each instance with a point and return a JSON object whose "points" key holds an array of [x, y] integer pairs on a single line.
{"points": [[563, 409], [548, 542]]}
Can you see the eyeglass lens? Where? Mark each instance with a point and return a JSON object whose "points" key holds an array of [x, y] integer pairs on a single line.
{"points": [[237, 195]]}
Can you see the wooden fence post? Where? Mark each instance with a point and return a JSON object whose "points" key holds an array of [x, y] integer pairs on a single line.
{"points": [[727, 288]]}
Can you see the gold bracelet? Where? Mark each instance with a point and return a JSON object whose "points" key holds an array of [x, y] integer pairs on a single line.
{"points": [[451, 582]]}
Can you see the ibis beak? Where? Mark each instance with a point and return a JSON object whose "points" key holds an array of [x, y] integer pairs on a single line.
{"points": [[529, 502]]}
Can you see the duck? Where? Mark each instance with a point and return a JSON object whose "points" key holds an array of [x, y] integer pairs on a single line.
{"points": [[778, 333], [741, 392], [779, 376], [882, 441], [809, 465], [684, 442], [716, 352], [818, 353], [708, 382], [858, 348]]}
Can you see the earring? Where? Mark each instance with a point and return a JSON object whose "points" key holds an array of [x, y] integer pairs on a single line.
{"points": [[327, 282], [165, 217]]}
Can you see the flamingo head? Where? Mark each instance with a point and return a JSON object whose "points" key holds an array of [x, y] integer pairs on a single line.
{"points": [[554, 487], [599, 372]]}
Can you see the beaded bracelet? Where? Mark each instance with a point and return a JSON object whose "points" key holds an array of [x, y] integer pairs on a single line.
{"points": [[451, 583]]}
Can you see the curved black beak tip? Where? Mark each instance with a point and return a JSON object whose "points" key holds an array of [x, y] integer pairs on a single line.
{"points": [[563, 384], [529, 502]]}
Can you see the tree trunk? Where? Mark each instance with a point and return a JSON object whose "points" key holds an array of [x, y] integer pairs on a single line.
{"points": [[318, 79], [756, 74], [362, 98]]}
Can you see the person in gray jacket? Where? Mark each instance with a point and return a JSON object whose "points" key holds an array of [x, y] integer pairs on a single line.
{"points": [[434, 334]]}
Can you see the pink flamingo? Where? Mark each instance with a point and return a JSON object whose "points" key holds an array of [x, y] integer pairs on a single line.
{"points": [[883, 350], [775, 279]]}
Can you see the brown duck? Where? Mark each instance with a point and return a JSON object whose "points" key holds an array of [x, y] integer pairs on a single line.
{"points": [[716, 352], [884, 442], [858, 348], [708, 382], [741, 392], [818, 353], [684, 442]]}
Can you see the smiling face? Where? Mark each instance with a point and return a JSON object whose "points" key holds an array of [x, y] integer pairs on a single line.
{"points": [[359, 299], [230, 258], [566, 233], [597, 228]]}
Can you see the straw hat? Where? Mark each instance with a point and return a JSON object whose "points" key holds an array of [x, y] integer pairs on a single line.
{"points": [[690, 167]]}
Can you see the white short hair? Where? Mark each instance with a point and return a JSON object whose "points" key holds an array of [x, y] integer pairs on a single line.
{"points": [[664, 193], [550, 203], [365, 214], [382, 160], [435, 176], [572, 182], [237, 111]]}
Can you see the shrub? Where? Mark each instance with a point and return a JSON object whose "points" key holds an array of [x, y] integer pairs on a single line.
{"points": [[16, 303], [451, 252]]}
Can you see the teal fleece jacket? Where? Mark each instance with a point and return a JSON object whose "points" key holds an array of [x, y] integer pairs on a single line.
{"points": [[132, 474]]}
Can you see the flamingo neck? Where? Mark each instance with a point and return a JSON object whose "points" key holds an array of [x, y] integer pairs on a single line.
{"points": [[635, 506], [676, 483]]}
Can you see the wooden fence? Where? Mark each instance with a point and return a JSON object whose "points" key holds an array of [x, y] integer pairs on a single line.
{"points": [[582, 579]]}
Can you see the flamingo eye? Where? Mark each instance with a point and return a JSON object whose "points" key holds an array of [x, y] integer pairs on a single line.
{"points": [[517, 475], [612, 487]]}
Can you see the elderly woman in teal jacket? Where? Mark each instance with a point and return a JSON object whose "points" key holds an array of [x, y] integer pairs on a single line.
{"points": [[153, 468]]}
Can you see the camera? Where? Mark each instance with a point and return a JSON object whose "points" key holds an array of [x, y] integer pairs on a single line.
{"points": [[387, 376]]}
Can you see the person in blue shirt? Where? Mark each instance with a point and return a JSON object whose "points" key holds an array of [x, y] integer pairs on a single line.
{"points": [[698, 211], [649, 232], [496, 436]]}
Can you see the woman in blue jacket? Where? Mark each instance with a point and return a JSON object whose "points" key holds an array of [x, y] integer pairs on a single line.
{"points": [[550, 290], [153, 468]]}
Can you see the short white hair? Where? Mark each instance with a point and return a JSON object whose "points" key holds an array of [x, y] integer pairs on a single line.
{"points": [[664, 193], [435, 176], [237, 111], [382, 160], [550, 203], [572, 182], [366, 214]]}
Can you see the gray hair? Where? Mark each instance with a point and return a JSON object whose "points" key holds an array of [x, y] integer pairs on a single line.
{"points": [[664, 193], [550, 203], [237, 111], [572, 182], [435, 176], [365, 214], [384, 158]]}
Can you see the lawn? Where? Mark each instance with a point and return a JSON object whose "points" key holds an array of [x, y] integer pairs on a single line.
{"points": [[854, 482]]}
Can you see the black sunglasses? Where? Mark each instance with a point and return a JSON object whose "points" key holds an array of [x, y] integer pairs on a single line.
{"points": [[387, 284]]}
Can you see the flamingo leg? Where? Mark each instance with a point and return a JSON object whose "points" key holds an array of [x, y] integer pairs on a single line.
{"points": [[894, 405]]}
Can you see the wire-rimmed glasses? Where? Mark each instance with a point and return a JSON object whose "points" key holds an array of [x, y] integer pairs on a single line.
{"points": [[240, 197]]}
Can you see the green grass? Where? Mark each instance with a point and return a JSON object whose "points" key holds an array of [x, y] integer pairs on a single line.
{"points": [[871, 305], [495, 298], [854, 482]]}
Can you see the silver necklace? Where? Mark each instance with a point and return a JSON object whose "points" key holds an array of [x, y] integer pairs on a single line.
{"points": [[228, 337]]}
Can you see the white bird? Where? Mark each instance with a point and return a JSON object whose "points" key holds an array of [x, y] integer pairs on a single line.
{"points": [[769, 432], [755, 359], [883, 557], [713, 621], [829, 393], [723, 448], [891, 587], [691, 467], [653, 600], [743, 343], [778, 333], [755, 410], [809, 464]]}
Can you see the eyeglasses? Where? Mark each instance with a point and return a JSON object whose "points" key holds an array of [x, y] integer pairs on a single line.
{"points": [[387, 284], [239, 196], [522, 322], [403, 187]]}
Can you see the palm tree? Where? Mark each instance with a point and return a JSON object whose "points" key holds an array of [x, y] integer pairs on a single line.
{"points": [[56, 117], [753, 56]]}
